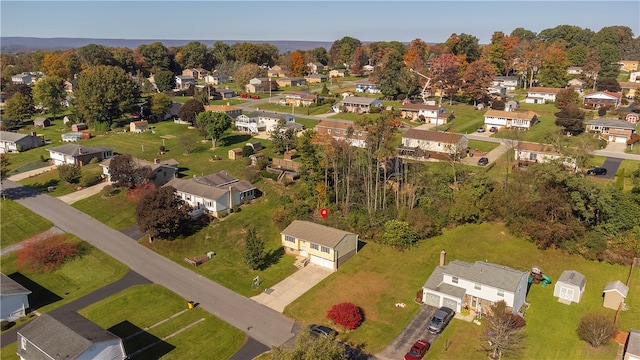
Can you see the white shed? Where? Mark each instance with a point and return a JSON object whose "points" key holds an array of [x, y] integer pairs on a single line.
{"points": [[570, 286]]}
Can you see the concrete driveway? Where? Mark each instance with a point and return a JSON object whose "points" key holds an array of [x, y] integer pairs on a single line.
{"points": [[286, 291]]}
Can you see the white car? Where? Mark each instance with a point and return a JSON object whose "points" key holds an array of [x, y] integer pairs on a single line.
{"points": [[282, 102]]}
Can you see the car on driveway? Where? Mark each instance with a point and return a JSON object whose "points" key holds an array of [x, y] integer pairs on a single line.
{"points": [[483, 161], [597, 171], [418, 350], [321, 330], [440, 320], [481, 129], [282, 102]]}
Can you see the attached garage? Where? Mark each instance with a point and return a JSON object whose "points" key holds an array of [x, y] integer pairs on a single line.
{"points": [[450, 303], [431, 299], [322, 262], [570, 286]]}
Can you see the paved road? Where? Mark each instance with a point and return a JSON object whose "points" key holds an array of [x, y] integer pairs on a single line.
{"points": [[258, 321]]}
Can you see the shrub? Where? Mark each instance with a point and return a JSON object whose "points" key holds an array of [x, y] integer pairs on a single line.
{"points": [[140, 191], [246, 151], [108, 190], [46, 255], [346, 314], [596, 329], [69, 173], [269, 175], [602, 111], [90, 179]]}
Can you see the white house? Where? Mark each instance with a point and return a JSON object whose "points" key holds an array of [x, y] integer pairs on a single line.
{"points": [[14, 299], [161, 170], [183, 81], [216, 78], [322, 245], [11, 142], [213, 194], [367, 87], [475, 285], [356, 104], [499, 119], [510, 82], [612, 130], [264, 121], [541, 95], [574, 70], [541, 153], [23, 78], [75, 154], [430, 113], [570, 286], [67, 335], [434, 141]]}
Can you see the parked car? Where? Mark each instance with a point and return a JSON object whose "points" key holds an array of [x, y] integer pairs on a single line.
{"points": [[493, 129], [481, 129], [597, 171], [282, 102], [321, 330], [483, 161], [440, 320], [418, 350], [244, 96], [255, 97]]}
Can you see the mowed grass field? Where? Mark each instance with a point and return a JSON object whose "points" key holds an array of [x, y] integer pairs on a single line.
{"points": [[18, 223], [378, 277]]}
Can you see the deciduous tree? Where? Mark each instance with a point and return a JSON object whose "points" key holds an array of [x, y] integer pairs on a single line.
{"points": [[553, 72], [161, 213], [46, 255], [69, 173], [596, 329], [4, 166], [446, 74], [504, 332], [346, 314], [571, 118], [477, 78], [160, 105], [18, 108], [165, 80], [298, 67], [398, 234], [309, 347], [463, 44], [49, 93], [189, 110], [565, 97], [214, 124], [156, 56], [124, 172], [246, 73]]}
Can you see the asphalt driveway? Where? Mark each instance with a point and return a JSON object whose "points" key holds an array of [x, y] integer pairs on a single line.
{"points": [[417, 329], [612, 165]]}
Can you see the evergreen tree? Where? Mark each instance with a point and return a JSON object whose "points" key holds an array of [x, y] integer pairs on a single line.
{"points": [[254, 254]]}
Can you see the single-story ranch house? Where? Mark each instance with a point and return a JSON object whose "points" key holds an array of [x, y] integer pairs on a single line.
{"points": [[322, 245], [433, 141], [602, 99], [541, 95], [213, 194], [162, 170], [74, 154], [432, 114], [356, 104], [14, 299], [475, 286], [500, 119], [509, 82], [527, 152], [612, 130], [13, 142], [342, 130], [367, 86]]}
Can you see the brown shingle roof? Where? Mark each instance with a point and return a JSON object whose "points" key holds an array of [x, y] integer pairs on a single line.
{"points": [[315, 233], [339, 125], [444, 137], [418, 107], [545, 90], [518, 114]]}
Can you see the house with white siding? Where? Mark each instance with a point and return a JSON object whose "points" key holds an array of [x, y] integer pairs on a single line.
{"points": [[541, 95], [500, 119], [14, 299], [430, 114], [612, 130], [433, 141], [536, 153], [265, 121], [509, 82], [11, 142], [356, 104], [75, 154]]}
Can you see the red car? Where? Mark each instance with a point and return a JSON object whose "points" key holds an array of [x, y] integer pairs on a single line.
{"points": [[255, 97], [418, 350], [244, 96]]}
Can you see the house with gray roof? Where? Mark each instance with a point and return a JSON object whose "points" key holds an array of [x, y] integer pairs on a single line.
{"points": [[432, 142], [67, 335], [75, 154], [612, 130], [321, 245], [265, 121], [357, 104], [161, 170], [11, 142], [476, 286], [14, 299], [632, 347], [213, 194]]}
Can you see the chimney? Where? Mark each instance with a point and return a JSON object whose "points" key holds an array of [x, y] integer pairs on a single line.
{"points": [[230, 198], [80, 150], [156, 160], [443, 257]]}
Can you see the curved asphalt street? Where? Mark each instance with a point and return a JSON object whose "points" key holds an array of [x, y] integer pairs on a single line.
{"points": [[262, 324]]}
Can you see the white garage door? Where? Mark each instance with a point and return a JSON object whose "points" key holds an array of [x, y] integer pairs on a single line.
{"points": [[451, 304], [432, 299], [322, 262]]}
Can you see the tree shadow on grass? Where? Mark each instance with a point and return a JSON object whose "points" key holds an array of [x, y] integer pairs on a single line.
{"points": [[235, 139], [43, 187], [40, 296], [273, 257], [139, 344]]}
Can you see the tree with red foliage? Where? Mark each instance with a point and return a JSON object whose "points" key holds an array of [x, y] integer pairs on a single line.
{"points": [[345, 314], [140, 191], [46, 255]]}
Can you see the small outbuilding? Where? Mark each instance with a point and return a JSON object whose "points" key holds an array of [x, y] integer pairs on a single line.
{"points": [[79, 127], [41, 122], [614, 294], [139, 126], [570, 286], [235, 154], [255, 158], [255, 145]]}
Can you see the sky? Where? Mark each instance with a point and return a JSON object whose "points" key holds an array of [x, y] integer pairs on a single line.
{"points": [[324, 20]]}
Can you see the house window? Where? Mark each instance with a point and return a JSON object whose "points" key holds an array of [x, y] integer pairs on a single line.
{"points": [[325, 249], [315, 246], [477, 286], [289, 238], [501, 293], [454, 280]]}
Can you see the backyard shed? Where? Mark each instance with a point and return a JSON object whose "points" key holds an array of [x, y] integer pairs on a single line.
{"points": [[255, 145], [79, 127], [235, 154], [41, 122], [614, 294], [570, 286]]}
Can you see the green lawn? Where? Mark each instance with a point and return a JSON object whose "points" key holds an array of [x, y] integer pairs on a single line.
{"points": [[380, 285], [117, 212], [226, 238], [484, 146], [18, 223], [51, 178]]}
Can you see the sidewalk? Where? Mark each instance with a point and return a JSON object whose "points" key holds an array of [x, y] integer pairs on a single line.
{"points": [[30, 173], [84, 193]]}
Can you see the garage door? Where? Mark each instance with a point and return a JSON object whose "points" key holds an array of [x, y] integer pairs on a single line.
{"points": [[451, 304], [432, 299], [322, 262]]}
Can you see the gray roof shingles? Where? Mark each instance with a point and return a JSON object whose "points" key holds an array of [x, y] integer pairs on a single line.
{"points": [[76, 149], [617, 286], [486, 273], [8, 286], [315, 233], [573, 277]]}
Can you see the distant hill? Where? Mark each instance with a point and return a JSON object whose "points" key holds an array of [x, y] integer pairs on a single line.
{"points": [[13, 45]]}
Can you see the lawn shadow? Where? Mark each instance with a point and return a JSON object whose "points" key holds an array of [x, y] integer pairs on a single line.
{"points": [[20, 192], [180, 173], [40, 296], [236, 139], [361, 244], [273, 257], [139, 344], [45, 187]]}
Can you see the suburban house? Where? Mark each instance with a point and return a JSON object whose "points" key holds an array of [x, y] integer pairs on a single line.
{"points": [[342, 130], [213, 194], [612, 130], [634, 76], [74, 154], [23, 78], [614, 294], [216, 78], [196, 73], [356, 104], [541, 95], [632, 347], [232, 111], [475, 286], [501, 119], [338, 73], [139, 126], [600, 99], [510, 82], [321, 245], [41, 122], [276, 71], [432, 141], [570, 287], [629, 65], [11, 142], [629, 89], [290, 81], [300, 98], [577, 85], [261, 85], [315, 67], [534, 153], [574, 70], [316, 78], [264, 121], [14, 299], [367, 87], [67, 335], [184, 82], [161, 170], [225, 93], [430, 114]]}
